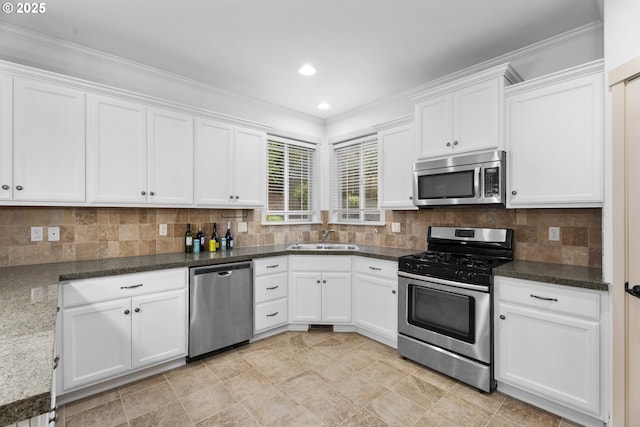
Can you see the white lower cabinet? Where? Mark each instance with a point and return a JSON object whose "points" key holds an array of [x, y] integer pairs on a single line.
{"points": [[320, 289], [119, 324], [270, 290], [548, 345], [375, 299]]}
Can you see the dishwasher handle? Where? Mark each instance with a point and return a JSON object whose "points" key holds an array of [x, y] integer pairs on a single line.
{"points": [[221, 268], [224, 273]]}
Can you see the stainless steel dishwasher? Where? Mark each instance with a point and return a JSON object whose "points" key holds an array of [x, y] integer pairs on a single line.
{"points": [[220, 307]]}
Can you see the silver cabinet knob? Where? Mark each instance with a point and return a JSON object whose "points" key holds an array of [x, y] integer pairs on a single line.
{"points": [[230, 197], [127, 312], [455, 142], [237, 197], [502, 317], [5, 187], [514, 192], [410, 197], [144, 193], [152, 193], [317, 281], [393, 291], [137, 310], [448, 144], [19, 187]]}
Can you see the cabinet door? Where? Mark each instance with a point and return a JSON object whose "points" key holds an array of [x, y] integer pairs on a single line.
{"points": [[376, 305], [397, 156], [549, 354], [170, 158], [476, 112], [117, 144], [306, 297], [336, 297], [6, 138], [555, 142], [214, 154], [48, 142], [158, 327], [249, 167], [434, 126], [96, 342]]}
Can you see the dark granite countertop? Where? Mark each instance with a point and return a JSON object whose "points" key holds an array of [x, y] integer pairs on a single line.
{"points": [[559, 274], [30, 295]]}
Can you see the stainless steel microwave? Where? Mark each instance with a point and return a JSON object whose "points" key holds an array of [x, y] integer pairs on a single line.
{"points": [[476, 179]]}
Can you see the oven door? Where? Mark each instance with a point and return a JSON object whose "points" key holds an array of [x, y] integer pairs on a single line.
{"points": [[453, 316], [455, 185]]}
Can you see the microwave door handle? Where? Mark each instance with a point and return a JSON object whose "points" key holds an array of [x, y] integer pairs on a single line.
{"points": [[477, 184]]}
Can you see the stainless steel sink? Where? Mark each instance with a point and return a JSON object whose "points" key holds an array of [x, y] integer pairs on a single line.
{"points": [[322, 247]]}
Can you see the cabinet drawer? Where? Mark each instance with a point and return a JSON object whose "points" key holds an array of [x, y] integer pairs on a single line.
{"points": [[84, 291], [376, 267], [556, 298], [270, 314], [320, 263], [270, 265], [267, 288]]}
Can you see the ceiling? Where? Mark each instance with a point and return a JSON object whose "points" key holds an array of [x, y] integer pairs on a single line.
{"points": [[363, 50]]}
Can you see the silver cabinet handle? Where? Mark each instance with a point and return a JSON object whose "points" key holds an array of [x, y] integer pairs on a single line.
{"points": [[543, 298], [55, 362], [317, 281], [131, 287], [324, 281], [273, 266], [5, 187], [137, 310], [144, 193], [273, 287], [152, 193], [19, 187], [502, 317], [273, 314], [231, 197], [514, 192], [375, 268], [448, 144], [455, 142], [237, 197], [393, 291], [127, 312]]}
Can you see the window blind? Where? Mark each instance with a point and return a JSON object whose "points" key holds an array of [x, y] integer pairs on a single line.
{"points": [[355, 181], [290, 177]]}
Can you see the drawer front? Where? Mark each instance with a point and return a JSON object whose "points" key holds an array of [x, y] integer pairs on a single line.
{"points": [[270, 265], [320, 263], [556, 298], [267, 288], [270, 314], [84, 291], [376, 267]]}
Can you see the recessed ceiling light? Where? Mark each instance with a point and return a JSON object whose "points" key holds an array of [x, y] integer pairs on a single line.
{"points": [[307, 70], [324, 106]]}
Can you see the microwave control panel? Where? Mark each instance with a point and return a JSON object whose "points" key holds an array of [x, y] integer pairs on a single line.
{"points": [[492, 182]]}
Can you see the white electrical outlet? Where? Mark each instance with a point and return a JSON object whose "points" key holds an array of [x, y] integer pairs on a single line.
{"points": [[395, 227], [36, 234], [163, 229], [242, 227], [53, 234], [554, 234]]}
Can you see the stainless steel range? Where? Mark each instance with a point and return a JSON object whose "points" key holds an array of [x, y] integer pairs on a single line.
{"points": [[445, 312]]}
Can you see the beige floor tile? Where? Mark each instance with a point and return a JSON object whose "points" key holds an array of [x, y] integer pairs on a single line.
{"points": [[148, 399], [334, 345], [384, 374], [260, 355], [141, 384], [268, 405], [359, 389], [208, 402], [490, 402], [304, 386], [461, 412], [171, 415], [244, 385], [279, 369], [333, 372], [91, 402], [364, 418], [396, 410], [357, 359], [289, 344], [332, 407], [523, 413], [439, 380], [193, 381], [105, 415], [406, 365], [311, 357], [297, 417], [228, 367], [431, 419], [354, 338], [498, 421], [376, 347], [233, 416], [419, 391], [183, 370]]}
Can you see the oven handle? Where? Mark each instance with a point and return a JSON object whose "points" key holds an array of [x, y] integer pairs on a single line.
{"points": [[480, 288]]}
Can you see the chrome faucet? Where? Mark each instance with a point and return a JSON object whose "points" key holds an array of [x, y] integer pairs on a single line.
{"points": [[325, 235]]}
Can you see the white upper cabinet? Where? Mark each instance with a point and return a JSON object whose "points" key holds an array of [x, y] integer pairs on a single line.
{"points": [[230, 165], [555, 139], [139, 155], [6, 138], [464, 115], [48, 143], [397, 156]]}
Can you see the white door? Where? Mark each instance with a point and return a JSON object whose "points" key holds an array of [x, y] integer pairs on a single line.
{"points": [[6, 138], [170, 158], [376, 305], [306, 297], [214, 154], [158, 327], [434, 126], [476, 117], [336, 297], [117, 145], [249, 167], [397, 156], [96, 342], [48, 142]]}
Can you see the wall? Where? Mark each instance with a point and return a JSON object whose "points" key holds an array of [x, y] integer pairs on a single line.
{"points": [[98, 233]]}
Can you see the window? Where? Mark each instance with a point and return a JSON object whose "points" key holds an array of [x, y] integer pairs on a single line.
{"points": [[290, 182], [355, 182]]}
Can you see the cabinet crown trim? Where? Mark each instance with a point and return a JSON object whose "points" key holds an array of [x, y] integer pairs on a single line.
{"points": [[587, 69]]}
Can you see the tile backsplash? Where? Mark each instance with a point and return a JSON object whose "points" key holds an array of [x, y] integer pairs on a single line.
{"points": [[96, 233]]}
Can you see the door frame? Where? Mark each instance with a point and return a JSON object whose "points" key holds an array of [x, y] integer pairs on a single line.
{"points": [[618, 78]]}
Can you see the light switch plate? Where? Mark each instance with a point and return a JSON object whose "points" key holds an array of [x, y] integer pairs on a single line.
{"points": [[163, 229], [53, 234], [395, 227]]}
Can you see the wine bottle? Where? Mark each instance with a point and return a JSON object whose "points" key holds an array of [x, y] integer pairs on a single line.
{"points": [[200, 236], [215, 236], [228, 236], [188, 240]]}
